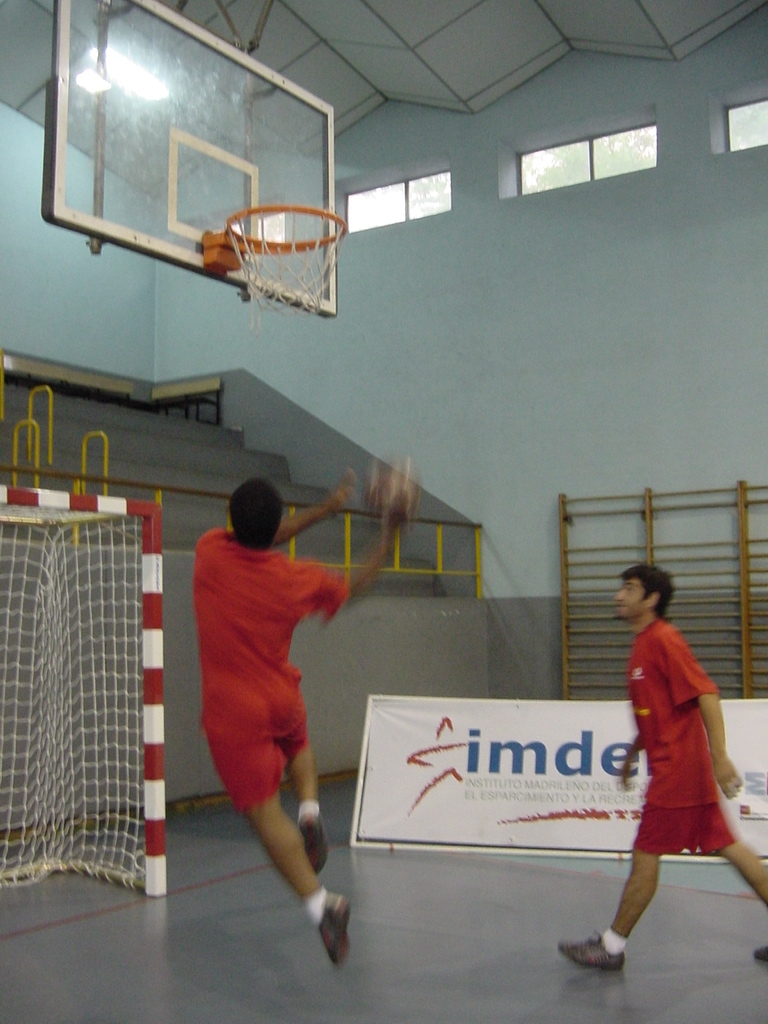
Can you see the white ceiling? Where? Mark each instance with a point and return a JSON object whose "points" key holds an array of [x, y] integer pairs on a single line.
{"points": [[356, 54]]}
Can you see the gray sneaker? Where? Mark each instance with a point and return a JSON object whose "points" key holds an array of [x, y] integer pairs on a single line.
{"points": [[315, 841], [762, 953], [592, 953], [333, 927]]}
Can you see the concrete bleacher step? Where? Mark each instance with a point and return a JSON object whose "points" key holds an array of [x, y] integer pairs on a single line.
{"points": [[157, 450], [82, 415], [157, 444], [74, 408], [154, 458], [173, 452]]}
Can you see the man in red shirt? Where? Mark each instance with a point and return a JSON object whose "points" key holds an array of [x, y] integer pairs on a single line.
{"points": [[248, 600], [680, 726]]}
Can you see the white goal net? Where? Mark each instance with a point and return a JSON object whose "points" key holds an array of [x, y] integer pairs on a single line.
{"points": [[71, 695]]}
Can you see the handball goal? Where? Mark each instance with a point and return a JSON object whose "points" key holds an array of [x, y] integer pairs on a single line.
{"points": [[81, 665]]}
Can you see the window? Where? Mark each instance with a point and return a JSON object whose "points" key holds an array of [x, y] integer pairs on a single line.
{"points": [[555, 168], [588, 160], [377, 207], [430, 195], [401, 201], [748, 126]]}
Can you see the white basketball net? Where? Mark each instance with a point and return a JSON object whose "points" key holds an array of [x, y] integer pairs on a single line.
{"points": [[287, 254]]}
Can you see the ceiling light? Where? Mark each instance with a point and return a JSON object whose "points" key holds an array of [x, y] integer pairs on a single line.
{"points": [[130, 77], [91, 81]]}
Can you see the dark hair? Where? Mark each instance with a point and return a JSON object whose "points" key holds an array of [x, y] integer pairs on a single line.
{"points": [[255, 509], [654, 581]]}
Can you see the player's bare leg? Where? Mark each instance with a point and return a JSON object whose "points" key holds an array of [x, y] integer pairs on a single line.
{"points": [[749, 866], [606, 951], [752, 870], [638, 892], [285, 845], [303, 772]]}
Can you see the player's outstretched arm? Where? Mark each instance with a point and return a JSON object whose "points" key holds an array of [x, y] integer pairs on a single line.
{"points": [[290, 526], [726, 773], [367, 573]]}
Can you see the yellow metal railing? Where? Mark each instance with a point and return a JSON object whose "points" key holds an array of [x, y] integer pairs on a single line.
{"points": [[90, 436], [38, 390], [397, 567], [33, 430], [78, 483]]}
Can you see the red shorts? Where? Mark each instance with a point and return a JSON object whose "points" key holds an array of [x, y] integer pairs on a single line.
{"points": [[251, 770], [674, 829]]}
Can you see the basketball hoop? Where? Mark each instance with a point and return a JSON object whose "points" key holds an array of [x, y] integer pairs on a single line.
{"points": [[287, 254]]}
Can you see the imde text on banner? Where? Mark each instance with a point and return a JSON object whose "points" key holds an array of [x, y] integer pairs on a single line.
{"points": [[526, 775]]}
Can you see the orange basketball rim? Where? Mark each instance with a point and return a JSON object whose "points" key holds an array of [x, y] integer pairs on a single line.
{"points": [[286, 253]]}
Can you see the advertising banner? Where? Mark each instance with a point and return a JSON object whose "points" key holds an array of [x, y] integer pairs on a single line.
{"points": [[526, 775]]}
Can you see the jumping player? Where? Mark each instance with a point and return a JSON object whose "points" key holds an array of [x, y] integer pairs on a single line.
{"points": [[680, 727], [248, 600]]}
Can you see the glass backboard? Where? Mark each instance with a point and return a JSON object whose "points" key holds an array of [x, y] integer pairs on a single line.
{"points": [[157, 130]]}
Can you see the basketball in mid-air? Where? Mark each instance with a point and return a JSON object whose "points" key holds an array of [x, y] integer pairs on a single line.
{"points": [[393, 489]]}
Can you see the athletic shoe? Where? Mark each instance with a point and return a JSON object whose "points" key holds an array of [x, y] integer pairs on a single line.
{"points": [[333, 927], [592, 953], [762, 953], [315, 841]]}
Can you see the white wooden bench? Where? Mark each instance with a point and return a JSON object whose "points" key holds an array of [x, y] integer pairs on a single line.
{"points": [[194, 394], [67, 380]]}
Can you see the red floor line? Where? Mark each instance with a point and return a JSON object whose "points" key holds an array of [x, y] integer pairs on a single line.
{"points": [[21, 933]]}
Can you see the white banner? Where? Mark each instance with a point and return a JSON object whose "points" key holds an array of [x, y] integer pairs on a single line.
{"points": [[526, 775]]}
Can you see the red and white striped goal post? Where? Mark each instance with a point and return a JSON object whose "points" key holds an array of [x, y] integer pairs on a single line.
{"points": [[152, 648]]}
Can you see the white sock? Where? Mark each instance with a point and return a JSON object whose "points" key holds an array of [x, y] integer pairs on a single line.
{"points": [[315, 905], [309, 809], [613, 942]]}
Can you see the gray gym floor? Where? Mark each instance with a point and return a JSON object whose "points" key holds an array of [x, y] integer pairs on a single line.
{"points": [[435, 937]]}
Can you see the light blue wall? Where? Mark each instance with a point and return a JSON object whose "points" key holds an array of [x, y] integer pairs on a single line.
{"points": [[58, 301], [594, 340]]}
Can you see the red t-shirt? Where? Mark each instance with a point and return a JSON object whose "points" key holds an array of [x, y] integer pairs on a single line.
{"points": [[665, 682], [247, 604]]}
